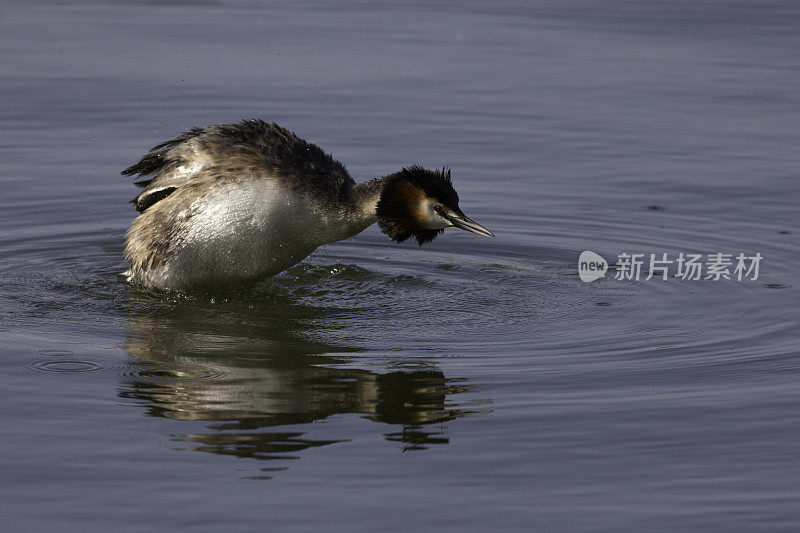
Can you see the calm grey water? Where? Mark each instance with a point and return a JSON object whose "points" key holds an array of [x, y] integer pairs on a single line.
{"points": [[474, 383]]}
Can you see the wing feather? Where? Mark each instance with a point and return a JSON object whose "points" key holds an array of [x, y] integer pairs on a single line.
{"points": [[250, 148]]}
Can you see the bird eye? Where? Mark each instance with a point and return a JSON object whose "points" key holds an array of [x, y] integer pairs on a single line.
{"points": [[438, 208]]}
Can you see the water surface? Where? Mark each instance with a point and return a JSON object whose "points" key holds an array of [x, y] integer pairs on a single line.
{"points": [[473, 383]]}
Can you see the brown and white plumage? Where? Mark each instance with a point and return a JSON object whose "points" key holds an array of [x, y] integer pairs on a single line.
{"points": [[229, 203]]}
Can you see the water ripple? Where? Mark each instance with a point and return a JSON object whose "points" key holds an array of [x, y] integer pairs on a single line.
{"points": [[73, 366]]}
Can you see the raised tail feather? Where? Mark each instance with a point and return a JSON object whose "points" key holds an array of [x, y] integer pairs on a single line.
{"points": [[151, 163], [153, 160]]}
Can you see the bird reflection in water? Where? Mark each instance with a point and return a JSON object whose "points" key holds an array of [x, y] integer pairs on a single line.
{"points": [[246, 372]]}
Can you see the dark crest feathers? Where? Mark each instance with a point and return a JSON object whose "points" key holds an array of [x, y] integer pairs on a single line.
{"points": [[403, 192]]}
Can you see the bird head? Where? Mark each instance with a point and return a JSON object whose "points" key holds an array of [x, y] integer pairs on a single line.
{"points": [[421, 203]]}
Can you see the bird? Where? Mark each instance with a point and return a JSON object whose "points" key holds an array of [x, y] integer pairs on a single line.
{"points": [[230, 203]]}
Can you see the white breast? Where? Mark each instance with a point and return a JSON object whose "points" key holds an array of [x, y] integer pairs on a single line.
{"points": [[243, 230]]}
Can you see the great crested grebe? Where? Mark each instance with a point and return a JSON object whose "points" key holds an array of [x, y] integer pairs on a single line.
{"points": [[234, 202]]}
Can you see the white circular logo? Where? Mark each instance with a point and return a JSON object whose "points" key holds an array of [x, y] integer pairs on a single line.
{"points": [[591, 266]]}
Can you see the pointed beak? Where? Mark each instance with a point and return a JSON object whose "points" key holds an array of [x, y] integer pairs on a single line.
{"points": [[460, 220]]}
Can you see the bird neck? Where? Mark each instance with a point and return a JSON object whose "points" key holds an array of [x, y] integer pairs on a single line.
{"points": [[357, 213], [364, 200]]}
